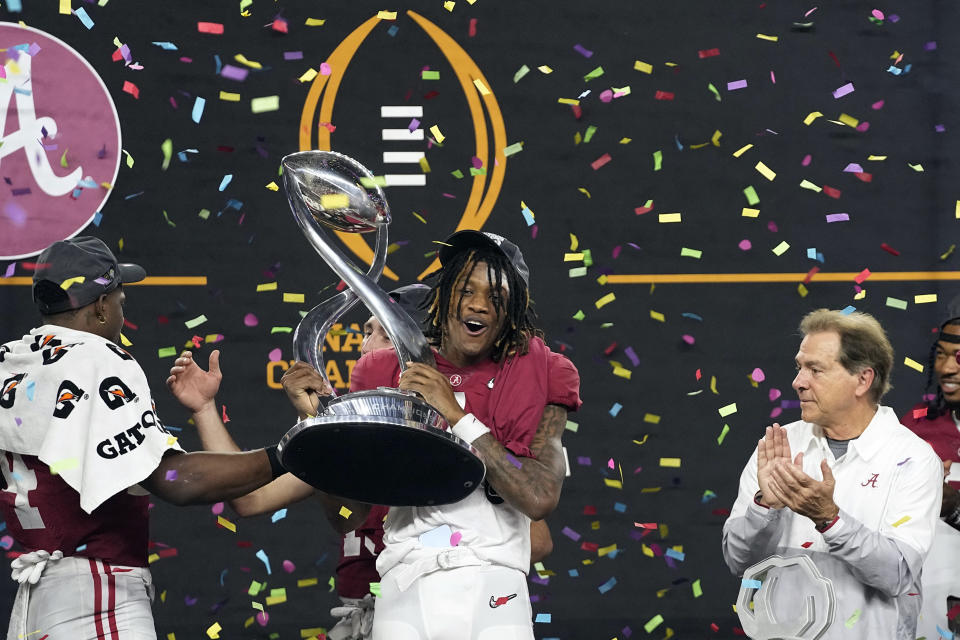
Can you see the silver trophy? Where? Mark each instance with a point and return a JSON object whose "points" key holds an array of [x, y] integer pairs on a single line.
{"points": [[768, 612], [383, 446]]}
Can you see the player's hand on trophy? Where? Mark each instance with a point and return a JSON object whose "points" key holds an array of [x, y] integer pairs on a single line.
{"points": [[433, 387], [191, 385], [773, 447], [304, 387]]}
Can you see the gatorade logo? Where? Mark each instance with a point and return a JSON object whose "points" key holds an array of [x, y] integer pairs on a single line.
{"points": [[59, 141], [318, 122], [68, 395], [115, 393]]}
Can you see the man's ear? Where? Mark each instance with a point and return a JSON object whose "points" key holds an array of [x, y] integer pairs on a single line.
{"points": [[865, 380], [100, 306]]}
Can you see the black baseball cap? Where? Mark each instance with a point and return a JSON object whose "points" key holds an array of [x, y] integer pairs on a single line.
{"points": [[470, 239], [410, 298], [73, 273]]}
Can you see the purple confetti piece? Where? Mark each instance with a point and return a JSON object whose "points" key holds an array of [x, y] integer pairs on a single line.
{"points": [[853, 167], [939, 128], [18, 421], [414, 124], [579, 48], [894, 18], [22, 191], [102, 280], [33, 50], [187, 600], [234, 73], [616, 252], [844, 90], [630, 353], [570, 533], [670, 562], [171, 475], [514, 461], [838, 217], [904, 461], [10, 269], [539, 580], [293, 55], [583, 460], [930, 46], [635, 246], [789, 404], [736, 84], [627, 632]]}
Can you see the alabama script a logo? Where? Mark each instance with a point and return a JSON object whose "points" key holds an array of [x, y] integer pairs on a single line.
{"points": [[59, 141]]}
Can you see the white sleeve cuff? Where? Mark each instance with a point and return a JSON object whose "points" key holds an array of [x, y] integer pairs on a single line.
{"points": [[469, 428]]}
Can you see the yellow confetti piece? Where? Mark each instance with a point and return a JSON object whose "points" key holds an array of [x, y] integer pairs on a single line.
{"points": [[622, 373], [226, 524], [602, 551], [316, 22], [739, 152], [670, 462], [272, 600], [63, 465], [625, 140], [482, 88], [264, 104], [435, 130], [573, 101], [267, 286], [307, 582], [876, 158], [765, 171], [213, 631], [690, 253], [583, 191], [806, 184], [166, 147], [344, 512], [424, 165], [653, 623], [153, 557], [335, 201], [544, 69], [242, 59], [652, 418], [727, 410], [449, 4], [656, 315], [387, 15], [308, 75], [803, 291], [913, 364], [313, 632], [900, 521], [642, 66], [850, 121], [924, 298], [750, 213], [769, 38], [226, 96], [293, 297], [610, 482], [811, 117], [272, 186], [66, 284], [572, 257], [419, 217], [65, 7], [781, 248], [669, 217], [647, 551], [957, 210], [124, 341], [605, 300], [916, 167]]}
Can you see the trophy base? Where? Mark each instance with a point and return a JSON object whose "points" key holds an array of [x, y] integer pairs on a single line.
{"points": [[381, 460]]}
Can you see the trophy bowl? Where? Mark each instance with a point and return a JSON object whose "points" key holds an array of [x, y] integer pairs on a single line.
{"points": [[381, 446]]}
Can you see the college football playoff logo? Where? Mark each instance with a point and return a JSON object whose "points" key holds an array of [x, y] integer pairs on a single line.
{"points": [[68, 395], [115, 393], [9, 392]]}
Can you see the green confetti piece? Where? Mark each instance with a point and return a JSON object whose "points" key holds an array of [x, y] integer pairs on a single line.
{"points": [[204, 214], [596, 73], [781, 248], [254, 588], [430, 75], [723, 434], [457, 174], [196, 322], [167, 148], [167, 352], [579, 315], [653, 623], [63, 465], [509, 150], [697, 591], [751, 194], [852, 620], [522, 71], [713, 90], [375, 589], [578, 272], [167, 218], [657, 160], [478, 172], [264, 104], [896, 303], [129, 158], [375, 181], [587, 258], [727, 410], [589, 133], [572, 426], [63, 159], [690, 253], [281, 330], [278, 593]]}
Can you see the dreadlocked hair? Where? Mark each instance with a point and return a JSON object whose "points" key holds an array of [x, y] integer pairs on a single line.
{"points": [[445, 291], [937, 406]]}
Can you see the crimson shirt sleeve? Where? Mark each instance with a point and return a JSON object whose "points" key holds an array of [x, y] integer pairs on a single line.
{"points": [[563, 383]]}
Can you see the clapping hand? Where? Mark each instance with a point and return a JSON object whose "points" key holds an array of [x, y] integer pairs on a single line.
{"points": [[191, 385]]}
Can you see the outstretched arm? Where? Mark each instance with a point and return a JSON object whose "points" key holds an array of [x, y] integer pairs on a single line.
{"points": [[532, 485], [204, 478]]}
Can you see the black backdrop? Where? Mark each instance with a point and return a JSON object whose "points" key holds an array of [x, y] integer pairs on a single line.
{"points": [[733, 327]]}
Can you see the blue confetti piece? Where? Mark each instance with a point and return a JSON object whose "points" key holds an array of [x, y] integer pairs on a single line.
{"points": [[392, 31], [613, 554], [944, 634], [620, 507], [97, 217], [542, 617], [80, 548], [708, 496], [14, 6], [197, 113], [166, 46], [573, 573], [692, 316], [676, 138], [528, 216], [216, 58], [750, 584], [606, 586], [31, 390], [615, 409], [222, 576], [278, 515], [84, 18], [133, 195], [262, 555], [3, 526], [847, 310], [676, 555], [226, 180]]}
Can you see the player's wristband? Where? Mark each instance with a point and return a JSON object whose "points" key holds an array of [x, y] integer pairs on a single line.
{"points": [[469, 428], [276, 469]]}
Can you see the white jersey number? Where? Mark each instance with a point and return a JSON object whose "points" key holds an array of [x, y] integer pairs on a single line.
{"points": [[20, 481]]}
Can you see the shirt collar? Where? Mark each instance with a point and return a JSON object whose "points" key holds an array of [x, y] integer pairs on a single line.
{"points": [[867, 445]]}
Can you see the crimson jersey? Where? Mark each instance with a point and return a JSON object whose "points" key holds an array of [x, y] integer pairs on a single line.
{"points": [[359, 549], [42, 512], [941, 433]]}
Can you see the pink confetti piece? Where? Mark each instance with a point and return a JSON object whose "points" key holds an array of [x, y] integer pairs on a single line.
{"points": [[745, 245], [288, 566], [876, 13], [455, 538], [807, 159], [776, 412], [757, 375], [772, 226], [250, 320], [773, 78], [688, 338], [616, 252], [263, 618], [736, 84], [325, 69], [217, 508], [602, 160], [876, 106], [606, 95], [610, 464], [844, 90], [275, 355], [774, 394]]}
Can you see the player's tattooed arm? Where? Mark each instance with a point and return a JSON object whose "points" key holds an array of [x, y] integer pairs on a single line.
{"points": [[532, 485]]}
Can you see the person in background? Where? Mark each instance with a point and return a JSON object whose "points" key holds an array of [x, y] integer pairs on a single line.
{"points": [[937, 421], [847, 485], [81, 449]]}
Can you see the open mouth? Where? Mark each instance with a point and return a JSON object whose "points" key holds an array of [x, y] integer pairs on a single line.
{"points": [[474, 327], [949, 386]]}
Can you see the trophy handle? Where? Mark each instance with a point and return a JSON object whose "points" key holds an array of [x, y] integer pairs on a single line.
{"points": [[406, 335]]}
